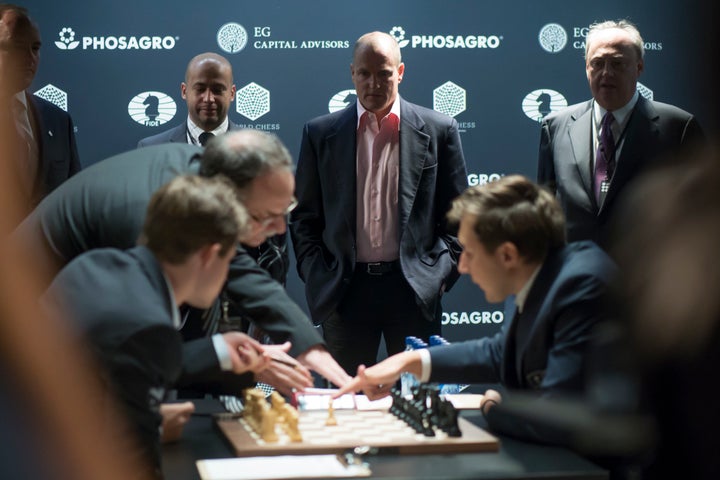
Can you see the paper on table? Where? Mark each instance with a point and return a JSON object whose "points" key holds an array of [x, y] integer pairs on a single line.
{"points": [[465, 401], [319, 398], [279, 467]]}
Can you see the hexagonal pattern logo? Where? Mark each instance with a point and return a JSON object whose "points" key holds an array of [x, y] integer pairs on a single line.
{"points": [[645, 91], [252, 101], [53, 95], [449, 99]]}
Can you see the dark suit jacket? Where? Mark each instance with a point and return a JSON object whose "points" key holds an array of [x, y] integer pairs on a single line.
{"points": [[432, 173], [119, 304], [104, 206], [55, 135], [544, 349], [174, 135], [566, 159]]}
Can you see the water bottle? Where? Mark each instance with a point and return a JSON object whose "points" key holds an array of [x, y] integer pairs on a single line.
{"points": [[446, 388], [406, 378]]}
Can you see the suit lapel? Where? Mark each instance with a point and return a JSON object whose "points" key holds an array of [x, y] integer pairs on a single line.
{"points": [[641, 132], [580, 132], [42, 138], [414, 144], [341, 169], [179, 134]]}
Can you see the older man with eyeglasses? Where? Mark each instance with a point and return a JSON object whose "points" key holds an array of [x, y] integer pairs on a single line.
{"points": [[104, 207]]}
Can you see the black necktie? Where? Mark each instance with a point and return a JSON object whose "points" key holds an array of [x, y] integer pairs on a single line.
{"points": [[204, 137]]}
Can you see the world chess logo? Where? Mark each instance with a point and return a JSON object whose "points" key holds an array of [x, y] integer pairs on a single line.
{"points": [[53, 95], [398, 33], [645, 91], [252, 101], [152, 109], [540, 103], [67, 39], [232, 37], [552, 38], [341, 100], [449, 99]]}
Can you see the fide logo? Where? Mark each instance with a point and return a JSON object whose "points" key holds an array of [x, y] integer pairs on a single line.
{"points": [[552, 38], [152, 109], [232, 37], [539, 103], [341, 100]]}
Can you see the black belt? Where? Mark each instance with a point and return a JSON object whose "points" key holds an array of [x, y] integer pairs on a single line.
{"points": [[378, 268]]}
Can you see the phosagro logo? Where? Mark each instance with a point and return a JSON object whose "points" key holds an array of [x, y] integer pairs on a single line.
{"points": [[472, 318], [483, 178], [67, 42], [445, 41], [152, 109]]}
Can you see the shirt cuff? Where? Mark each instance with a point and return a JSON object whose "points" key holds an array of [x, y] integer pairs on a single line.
{"points": [[425, 365], [223, 352]]}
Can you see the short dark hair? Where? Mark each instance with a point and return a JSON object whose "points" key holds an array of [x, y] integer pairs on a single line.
{"points": [[513, 209], [244, 155], [190, 212]]}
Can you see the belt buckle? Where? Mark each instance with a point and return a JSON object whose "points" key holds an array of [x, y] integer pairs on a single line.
{"points": [[375, 268]]}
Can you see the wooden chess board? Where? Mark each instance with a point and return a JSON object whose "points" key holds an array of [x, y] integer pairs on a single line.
{"points": [[375, 428]]}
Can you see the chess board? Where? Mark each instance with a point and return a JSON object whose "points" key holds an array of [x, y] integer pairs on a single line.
{"points": [[375, 428]]}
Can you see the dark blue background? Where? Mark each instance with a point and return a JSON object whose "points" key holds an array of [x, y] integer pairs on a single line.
{"points": [[100, 83]]}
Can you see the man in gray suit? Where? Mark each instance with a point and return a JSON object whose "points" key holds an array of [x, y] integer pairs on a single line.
{"points": [[208, 90], [588, 166], [373, 184]]}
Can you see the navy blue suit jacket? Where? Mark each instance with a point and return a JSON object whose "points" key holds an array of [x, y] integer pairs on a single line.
{"points": [[119, 304], [55, 136], [544, 349], [566, 160], [432, 174]]}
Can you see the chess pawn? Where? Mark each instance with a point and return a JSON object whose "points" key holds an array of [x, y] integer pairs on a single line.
{"points": [[291, 423], [331, 420], [267, 425]]}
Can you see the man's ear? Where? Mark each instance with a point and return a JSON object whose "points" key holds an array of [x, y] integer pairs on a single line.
{"points": [[508, 254], [208, 253]]}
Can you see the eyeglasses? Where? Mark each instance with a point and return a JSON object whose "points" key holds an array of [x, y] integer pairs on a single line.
{"points": [[270, 218]]}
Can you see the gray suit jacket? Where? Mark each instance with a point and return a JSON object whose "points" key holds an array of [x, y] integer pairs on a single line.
{"points": [[432, 173], [566, 159], [174, 135]]}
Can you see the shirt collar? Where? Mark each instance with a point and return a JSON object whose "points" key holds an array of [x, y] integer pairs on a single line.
{"points": [[20, 96], [194, 131], [394, 109], [621, 114], [522, 295], [175, 312]]}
